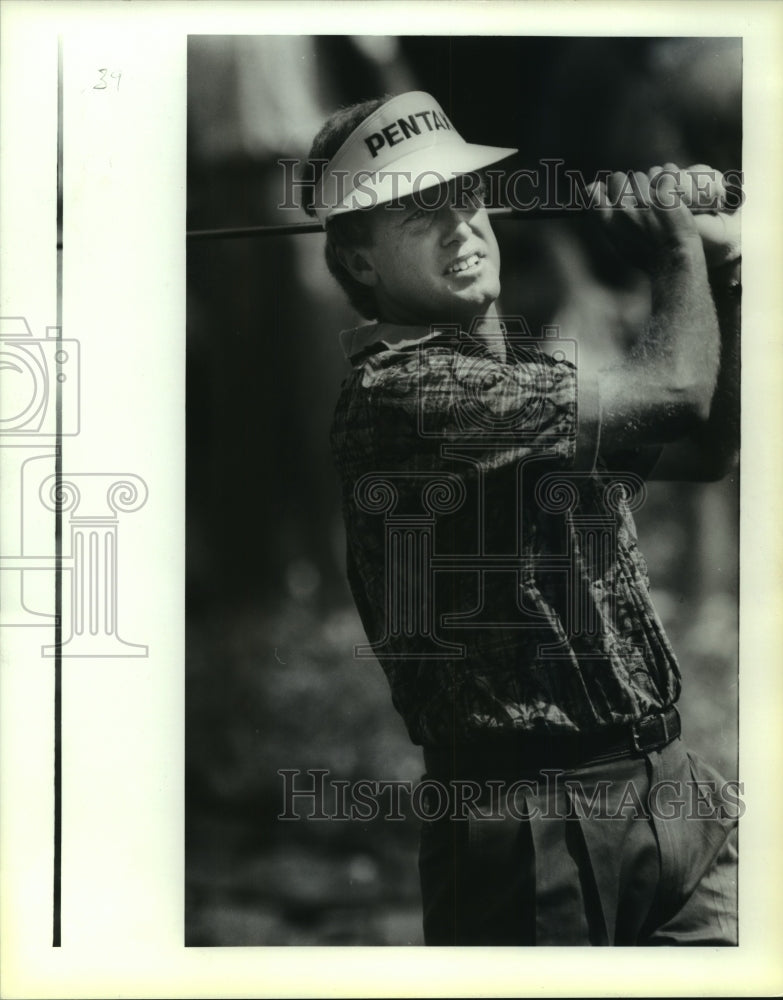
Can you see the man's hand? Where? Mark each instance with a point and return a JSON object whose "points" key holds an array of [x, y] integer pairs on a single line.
{"points": [[707, 196], [643, 213]]}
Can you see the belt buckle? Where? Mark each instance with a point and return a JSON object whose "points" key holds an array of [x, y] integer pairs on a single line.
{"points": [[635, 735]]}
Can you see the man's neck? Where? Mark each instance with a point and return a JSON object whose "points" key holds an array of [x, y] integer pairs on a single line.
{"points": [[491, 332], [487, 329]]}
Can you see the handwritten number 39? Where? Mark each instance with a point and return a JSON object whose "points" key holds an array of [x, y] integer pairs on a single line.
{"points": [[105, 81]]}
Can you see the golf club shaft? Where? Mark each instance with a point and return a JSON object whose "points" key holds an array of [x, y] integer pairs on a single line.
{"points": [[303, 228]]}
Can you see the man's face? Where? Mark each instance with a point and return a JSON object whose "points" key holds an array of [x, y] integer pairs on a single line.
{"points": [[433, 265]]}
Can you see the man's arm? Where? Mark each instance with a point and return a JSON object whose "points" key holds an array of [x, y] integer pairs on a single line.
{"points": [[663, 390], [710, 452]]}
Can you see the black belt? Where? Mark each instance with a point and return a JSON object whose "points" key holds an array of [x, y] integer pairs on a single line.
{"points": [[497, 753]]}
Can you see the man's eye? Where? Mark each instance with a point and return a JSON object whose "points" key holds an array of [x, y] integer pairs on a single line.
{"points": [[478, 195], [415, 215]]}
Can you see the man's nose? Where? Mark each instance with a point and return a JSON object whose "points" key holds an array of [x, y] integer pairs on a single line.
{"points": [[455, 220]]}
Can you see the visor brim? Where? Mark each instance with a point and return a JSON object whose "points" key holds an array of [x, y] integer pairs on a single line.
{"points": [[418, 171]]}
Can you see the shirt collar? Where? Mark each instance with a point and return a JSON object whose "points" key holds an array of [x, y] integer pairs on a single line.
{"points": [[359, 338]]}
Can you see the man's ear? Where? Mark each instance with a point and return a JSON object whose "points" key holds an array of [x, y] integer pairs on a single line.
{"points": [[358, 264]]}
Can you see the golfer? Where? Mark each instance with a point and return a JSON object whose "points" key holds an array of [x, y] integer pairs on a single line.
{"points": [[488, 488]]}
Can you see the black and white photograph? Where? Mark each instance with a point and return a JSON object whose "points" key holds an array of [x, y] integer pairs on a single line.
{"points": [[416, 598], [388, 493]]}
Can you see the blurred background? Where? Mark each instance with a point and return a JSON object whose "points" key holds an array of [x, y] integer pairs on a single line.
{"points": [[271, 680]]}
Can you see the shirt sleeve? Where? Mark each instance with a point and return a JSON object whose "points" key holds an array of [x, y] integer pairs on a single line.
{"points": [[428, 398]]}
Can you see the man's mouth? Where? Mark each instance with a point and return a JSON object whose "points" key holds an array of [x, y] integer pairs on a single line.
{"points": [[467, 263]]}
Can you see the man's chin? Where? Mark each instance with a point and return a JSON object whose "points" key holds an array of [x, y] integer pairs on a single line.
{"points": [[476, 300]]}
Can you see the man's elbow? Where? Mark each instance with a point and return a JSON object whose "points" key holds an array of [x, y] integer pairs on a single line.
{"points": [[689, 394], [686, 409], [727, 465], [716, 465], [693, 461], [697, 398]]}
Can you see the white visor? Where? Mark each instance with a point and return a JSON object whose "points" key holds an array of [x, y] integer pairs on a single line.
{"points": [[406, 146]]}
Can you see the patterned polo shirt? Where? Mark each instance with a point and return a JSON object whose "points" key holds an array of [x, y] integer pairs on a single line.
{"points": [[491, 552]]}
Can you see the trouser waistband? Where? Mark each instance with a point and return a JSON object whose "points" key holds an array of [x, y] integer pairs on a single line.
{"points": [[496, 753]]}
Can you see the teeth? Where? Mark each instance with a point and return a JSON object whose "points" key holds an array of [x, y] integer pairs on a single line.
{"points": [[463, 265]]}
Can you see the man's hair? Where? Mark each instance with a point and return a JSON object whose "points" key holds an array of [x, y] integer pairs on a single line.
{"points": [[345, 230]]}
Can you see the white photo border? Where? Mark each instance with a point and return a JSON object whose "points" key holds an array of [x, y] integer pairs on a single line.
{"points": [[123, 719]]}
